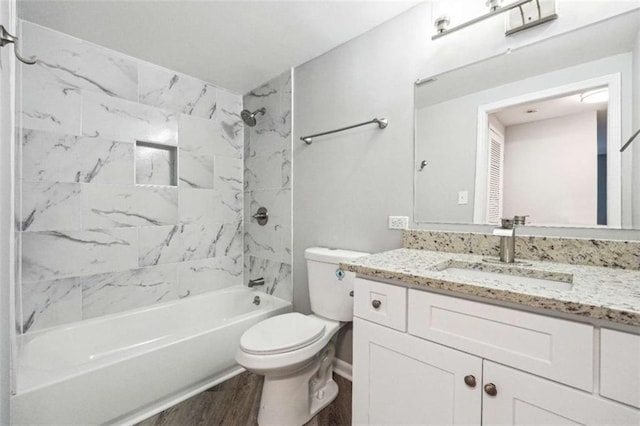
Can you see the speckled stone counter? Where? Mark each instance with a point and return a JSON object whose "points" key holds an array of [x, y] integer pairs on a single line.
{"points": [[576, 251], [609, 294]]}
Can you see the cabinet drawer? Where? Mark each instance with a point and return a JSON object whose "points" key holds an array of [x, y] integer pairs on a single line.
{"points": [[557, 349], [384, 304], [620, 366]]}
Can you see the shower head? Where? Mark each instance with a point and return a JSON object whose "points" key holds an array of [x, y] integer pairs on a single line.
{"points": [[250, 117]]}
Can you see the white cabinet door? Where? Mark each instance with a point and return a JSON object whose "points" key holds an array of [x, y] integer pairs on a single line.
{"points": [[523, 399], [399, 379]]}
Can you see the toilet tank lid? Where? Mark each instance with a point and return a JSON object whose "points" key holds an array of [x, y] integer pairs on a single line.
{"points": [[331, 255]]}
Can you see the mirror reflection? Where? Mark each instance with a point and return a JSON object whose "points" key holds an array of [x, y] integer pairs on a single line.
{"points": [[560, 140], [530, 136]]}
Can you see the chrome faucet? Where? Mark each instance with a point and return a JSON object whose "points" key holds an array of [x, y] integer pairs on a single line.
{"points": [[256, 282], [507, 234]]}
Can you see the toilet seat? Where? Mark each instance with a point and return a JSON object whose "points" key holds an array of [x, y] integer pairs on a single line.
{"points": [[282, 334]]}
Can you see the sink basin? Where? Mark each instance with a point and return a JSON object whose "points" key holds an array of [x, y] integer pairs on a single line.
{"points": [[506, 274]]}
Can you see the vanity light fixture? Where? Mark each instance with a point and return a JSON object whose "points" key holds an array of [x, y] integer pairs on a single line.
{"points": [[494, 4], [595, 96], [525, 14], [442, 23]]}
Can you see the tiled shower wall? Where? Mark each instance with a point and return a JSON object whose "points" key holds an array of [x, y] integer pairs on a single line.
{"points": [[94, 241], [267, 183]]}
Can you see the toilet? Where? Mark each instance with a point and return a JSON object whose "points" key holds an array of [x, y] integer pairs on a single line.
{"points": [[295, 352]]}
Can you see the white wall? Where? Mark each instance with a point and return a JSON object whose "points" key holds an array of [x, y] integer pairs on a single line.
{"points": [[562, 155], [443, 132], [345, 186], [7, 80]]}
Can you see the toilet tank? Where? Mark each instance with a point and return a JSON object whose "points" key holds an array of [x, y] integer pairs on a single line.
{"points": [[329, 286]]}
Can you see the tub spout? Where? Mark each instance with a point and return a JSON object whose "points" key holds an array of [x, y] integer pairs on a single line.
{"points": [[257, 281]]}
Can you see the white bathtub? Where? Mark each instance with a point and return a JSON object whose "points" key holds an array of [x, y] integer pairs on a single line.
{"points": [[125, 367]]}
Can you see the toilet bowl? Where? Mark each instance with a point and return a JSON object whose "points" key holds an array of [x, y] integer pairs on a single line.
{"points": [[284, 343], [295, 352]]}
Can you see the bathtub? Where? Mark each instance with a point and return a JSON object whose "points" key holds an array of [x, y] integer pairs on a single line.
{"points": [[123, 368]]}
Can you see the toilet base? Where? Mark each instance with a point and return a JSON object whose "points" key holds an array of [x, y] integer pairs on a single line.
{"points": [[294, 399], [323, 397]]}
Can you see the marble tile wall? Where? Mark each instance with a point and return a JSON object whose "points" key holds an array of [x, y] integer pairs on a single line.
{"points": [[267, 183], [93, 242]]}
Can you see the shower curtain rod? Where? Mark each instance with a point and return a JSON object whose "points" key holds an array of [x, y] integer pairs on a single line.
{"points": [[381, 122], [6, 38], [626, 145]]}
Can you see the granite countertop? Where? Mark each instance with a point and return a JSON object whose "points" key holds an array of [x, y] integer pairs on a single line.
{"points": [[609, 294]]}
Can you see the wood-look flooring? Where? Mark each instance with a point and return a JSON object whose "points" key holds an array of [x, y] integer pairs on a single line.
{"points": [[236, 403]]}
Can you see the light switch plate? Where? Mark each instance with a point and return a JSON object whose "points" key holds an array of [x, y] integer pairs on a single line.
{"points": [[463, 197]]}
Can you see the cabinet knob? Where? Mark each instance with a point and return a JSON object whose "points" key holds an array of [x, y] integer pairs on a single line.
{"points": [[470, 381], [376, 303], [491, 389]]}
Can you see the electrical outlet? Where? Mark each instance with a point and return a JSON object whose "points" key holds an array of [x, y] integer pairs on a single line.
{"points": [[398, 222]]}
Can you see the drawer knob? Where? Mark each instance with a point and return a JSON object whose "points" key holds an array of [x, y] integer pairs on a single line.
{"points": [[491, 389], [376, 303], [470, 381]]}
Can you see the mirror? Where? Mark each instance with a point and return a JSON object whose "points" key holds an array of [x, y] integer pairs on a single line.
{"points": [[536, 131]]}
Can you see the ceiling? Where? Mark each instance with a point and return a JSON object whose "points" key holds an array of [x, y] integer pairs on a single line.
{"points": [[546, 109], [237, 45]]}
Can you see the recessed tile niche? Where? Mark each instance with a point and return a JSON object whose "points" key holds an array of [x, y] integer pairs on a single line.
{"points": [[156, 164]]}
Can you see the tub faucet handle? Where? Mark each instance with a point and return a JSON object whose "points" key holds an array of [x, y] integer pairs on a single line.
{"points": [[256, 282]]}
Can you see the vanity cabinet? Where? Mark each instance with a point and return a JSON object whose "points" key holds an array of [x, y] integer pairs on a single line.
{"points": [[446, 361]]}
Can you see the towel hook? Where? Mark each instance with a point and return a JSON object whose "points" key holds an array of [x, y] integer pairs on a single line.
{"points": [[6, 38]]}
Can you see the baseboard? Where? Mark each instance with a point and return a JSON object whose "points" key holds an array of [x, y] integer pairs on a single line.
{"points": [[342, 368]]}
